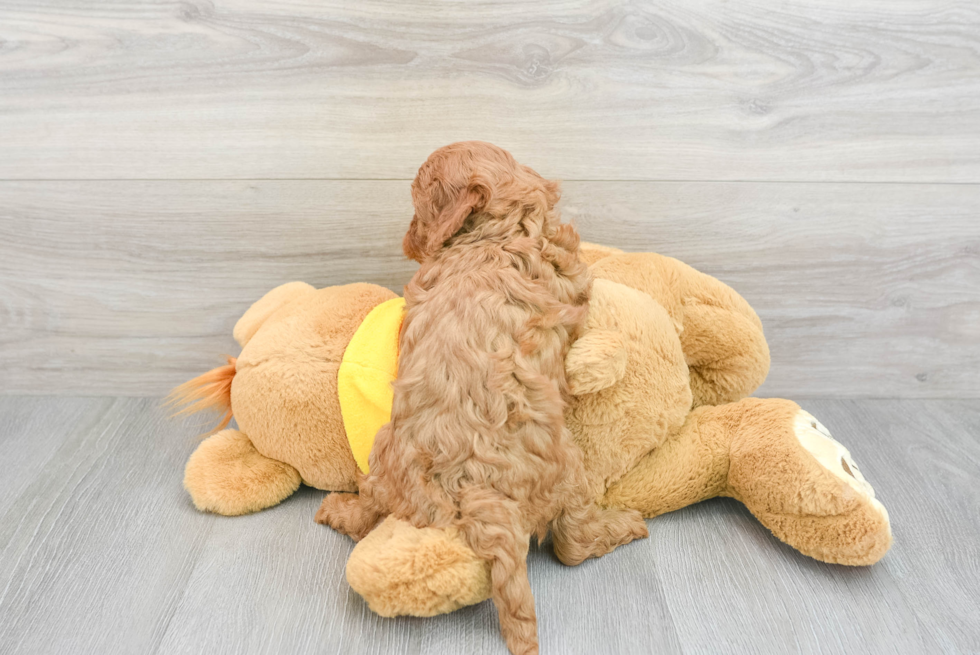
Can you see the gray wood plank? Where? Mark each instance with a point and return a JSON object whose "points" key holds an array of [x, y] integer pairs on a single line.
{"points": [[32, 430], [103, 553], [733, 588], [96, 550], [277, 585], [865, 90], [132, 287], [107, 285], [924, 460]]}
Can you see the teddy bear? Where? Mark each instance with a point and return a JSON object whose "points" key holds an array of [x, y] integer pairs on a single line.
{"points": [[659, 380]]}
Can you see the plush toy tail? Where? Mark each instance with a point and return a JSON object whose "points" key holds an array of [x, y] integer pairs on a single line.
{"points": [[211, 390]]}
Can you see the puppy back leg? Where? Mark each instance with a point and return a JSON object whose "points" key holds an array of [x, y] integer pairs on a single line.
{"points": [[582, 529], [586, 530]]}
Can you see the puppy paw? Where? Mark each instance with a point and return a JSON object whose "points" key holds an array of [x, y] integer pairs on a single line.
{"points": [[344, 513], [624, 526], [604, 530]]}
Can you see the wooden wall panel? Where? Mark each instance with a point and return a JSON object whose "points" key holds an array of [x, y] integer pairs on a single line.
{"points": [[676, 90], [131, 287]]}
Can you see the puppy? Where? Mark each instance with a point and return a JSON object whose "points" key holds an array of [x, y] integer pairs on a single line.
{"points": [[477, 438]]}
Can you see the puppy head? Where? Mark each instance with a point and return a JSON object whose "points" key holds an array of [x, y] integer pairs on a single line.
{"points": [[470, 183]]}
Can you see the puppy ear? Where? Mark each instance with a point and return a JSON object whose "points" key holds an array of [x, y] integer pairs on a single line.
{"points": [[413, 242], [419, 246]]}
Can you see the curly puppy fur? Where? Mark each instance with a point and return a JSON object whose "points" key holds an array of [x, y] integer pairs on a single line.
{"points": [[477, 438]]}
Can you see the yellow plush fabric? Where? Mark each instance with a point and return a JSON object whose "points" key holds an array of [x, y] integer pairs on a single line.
{"points": [[369, 366]]}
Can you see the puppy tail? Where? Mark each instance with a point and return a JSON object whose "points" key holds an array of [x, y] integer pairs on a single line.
{"points": [[492, 527], [211, 390]]}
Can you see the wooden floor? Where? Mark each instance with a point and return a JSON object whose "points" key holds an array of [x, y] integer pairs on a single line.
{"points": [[102, 552]]}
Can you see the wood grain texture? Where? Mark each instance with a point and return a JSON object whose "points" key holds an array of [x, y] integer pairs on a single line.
{"points": [[868, 90], [102, 552], [88, 545], [924, 461], [132, 287]]}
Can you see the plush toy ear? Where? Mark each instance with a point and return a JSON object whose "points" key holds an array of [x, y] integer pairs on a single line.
{"points": [[596, 361], [418, 245]]}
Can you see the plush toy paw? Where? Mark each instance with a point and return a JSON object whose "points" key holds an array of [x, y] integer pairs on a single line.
{"points": [[227, 475], [833, 456], [402, 570], [804, 486]]}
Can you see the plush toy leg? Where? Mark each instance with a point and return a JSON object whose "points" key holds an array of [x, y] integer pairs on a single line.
{"points": [[726, 351], [226, 475], [689, 467], [804, 486], [402, 570], [780, 462]]}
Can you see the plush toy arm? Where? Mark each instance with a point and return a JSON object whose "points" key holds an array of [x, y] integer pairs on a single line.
{"points": [[723, 341], [596, 361], [264, 307], [726, 352], [720, 333]]}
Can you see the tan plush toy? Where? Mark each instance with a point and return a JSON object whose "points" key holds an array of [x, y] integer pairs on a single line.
{"points": [[659, 382]]}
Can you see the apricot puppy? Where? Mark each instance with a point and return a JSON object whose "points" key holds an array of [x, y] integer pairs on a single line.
{"points": [[477, 438]]}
